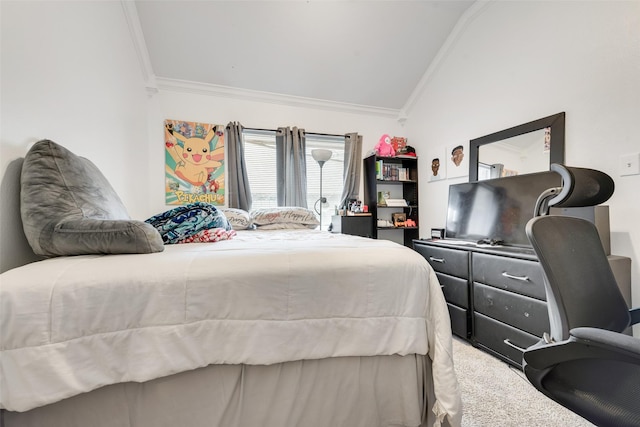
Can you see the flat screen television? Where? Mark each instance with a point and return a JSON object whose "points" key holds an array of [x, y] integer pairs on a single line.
{"points": [[496, 208]]}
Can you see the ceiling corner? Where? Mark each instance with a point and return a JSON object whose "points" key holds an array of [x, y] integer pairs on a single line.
{"points": [[469, 15]]}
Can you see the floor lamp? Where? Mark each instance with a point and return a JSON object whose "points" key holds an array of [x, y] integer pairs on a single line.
{"points": [[321, 156]]}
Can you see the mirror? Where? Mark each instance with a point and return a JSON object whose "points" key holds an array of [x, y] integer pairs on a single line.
{"points": [[523, 149]]}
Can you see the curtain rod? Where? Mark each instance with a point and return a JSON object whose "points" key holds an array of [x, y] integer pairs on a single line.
{"points": [[308, 133]]}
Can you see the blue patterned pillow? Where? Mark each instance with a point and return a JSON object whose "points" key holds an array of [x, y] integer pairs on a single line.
{"points": [[179, 223]]}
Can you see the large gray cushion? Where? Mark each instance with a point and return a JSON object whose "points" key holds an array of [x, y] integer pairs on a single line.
{"points": [[69, 208]]}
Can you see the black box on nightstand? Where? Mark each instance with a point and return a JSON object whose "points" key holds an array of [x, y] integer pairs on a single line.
{"points": [[356, 225]]}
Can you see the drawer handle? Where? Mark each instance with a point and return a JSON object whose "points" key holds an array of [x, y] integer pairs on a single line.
{"points": [[511, 276], [512, 345], [440, 260]]}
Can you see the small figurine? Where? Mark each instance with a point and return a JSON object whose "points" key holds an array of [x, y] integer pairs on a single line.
{"points": [[384, 147]]}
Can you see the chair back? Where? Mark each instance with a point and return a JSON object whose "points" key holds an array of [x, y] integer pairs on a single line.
{"points": [[580, 287]]}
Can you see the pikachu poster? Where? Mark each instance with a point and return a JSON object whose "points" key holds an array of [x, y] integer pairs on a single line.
{"points": [[194, 165]]}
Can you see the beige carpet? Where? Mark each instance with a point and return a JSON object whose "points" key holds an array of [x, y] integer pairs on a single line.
{"points": [[498, 395]]}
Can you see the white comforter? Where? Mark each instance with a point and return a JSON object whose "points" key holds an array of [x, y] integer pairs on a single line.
{"points": [[73, 324]]}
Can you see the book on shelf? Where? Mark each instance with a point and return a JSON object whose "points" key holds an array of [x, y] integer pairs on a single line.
{"points": [[379, 167], [393, 172], [403, 174]]}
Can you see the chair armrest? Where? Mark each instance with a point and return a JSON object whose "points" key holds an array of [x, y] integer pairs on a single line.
{"points": [[635, 315], [585, 343]]}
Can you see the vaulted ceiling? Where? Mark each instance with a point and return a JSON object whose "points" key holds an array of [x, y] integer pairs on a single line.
{"points": [[366, 53]]}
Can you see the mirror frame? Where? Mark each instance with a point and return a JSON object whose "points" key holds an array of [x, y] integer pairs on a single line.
{"points": [[556, 155]]}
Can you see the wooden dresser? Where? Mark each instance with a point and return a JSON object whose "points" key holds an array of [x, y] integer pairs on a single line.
{"points": [[496, 295]]}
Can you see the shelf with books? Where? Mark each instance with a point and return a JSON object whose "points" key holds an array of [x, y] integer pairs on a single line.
{"points": [[387, 171], [391, 188]]}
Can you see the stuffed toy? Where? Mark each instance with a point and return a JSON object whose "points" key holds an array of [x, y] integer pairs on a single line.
{"points": [[384, 147]]}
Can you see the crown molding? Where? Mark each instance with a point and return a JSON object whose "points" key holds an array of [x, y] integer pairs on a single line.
{"points": [[208, 89], [140, 46], [467, 17]]}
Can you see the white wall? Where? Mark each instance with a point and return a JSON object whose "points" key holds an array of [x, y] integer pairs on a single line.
{"points": [[70, 74], [520, 61], [203, 107]]}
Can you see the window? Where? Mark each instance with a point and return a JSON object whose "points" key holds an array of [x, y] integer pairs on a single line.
{"points": [[484, 171], [260, 158]]}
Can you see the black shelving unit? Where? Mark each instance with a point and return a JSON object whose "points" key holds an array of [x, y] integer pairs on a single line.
{"points": [[389, 178]]}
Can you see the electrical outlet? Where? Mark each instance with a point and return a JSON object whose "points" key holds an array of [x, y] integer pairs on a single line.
{"points": [[630, 164]]}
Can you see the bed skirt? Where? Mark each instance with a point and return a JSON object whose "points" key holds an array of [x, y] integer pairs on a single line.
{"points": [[372, 391]]}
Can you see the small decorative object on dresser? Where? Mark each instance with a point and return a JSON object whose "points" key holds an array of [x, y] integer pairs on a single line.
{"points": [[437, 233]]}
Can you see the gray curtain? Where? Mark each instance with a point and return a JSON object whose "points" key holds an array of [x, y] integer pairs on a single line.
{"points": [[352, 167], [291, 167], [238, 188]]}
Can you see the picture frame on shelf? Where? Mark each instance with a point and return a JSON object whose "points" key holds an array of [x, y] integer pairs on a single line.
{"points": [[383, 196]]}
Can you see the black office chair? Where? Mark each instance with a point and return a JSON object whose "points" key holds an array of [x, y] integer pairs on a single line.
{"points": [[586, 363]]}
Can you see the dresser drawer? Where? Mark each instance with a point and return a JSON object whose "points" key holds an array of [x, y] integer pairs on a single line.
{"points": [[522, 312], [459, 321], [502, 339], [455, 290], [516, 275], [448, 261]]}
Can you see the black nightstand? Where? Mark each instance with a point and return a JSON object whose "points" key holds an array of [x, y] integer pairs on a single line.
{"points": [[357, 225]]}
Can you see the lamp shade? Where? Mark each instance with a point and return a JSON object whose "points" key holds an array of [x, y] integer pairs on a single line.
{"points": [[321, 155]]}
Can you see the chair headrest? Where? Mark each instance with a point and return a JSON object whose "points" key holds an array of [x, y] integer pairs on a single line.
{"points": [[581, 187]]}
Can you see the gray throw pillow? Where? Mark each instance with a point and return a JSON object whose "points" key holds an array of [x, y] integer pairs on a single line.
{"points": [[69, 208]]}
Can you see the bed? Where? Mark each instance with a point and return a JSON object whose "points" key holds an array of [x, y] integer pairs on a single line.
{"points": [[284, 327]]}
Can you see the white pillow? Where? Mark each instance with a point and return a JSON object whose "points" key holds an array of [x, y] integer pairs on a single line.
{"points": [[238, 218], [285, 215], [284, 226]]}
